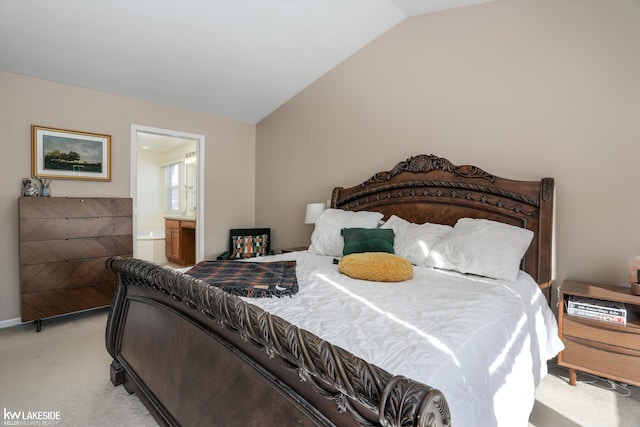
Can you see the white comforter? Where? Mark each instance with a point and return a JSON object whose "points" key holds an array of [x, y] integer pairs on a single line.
{"points": [[484, 343]]}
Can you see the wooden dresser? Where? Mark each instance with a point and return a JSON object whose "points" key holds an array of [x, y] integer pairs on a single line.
{"points": [[64, 243]]}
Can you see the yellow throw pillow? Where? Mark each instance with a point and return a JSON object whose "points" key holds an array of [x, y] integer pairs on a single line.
{"points": [[376, 266]]}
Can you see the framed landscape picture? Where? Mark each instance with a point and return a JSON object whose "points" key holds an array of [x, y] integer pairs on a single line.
{"points": [[69, 154]]}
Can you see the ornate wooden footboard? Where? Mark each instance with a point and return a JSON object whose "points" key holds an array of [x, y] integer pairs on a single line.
{"points": [[196, 355]]}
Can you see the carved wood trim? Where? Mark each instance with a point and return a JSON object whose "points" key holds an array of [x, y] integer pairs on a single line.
{"points": [[408, 189], [413, 396], [427, 163]]}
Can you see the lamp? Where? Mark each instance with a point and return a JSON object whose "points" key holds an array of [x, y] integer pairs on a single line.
{"points": [[314, 210]]}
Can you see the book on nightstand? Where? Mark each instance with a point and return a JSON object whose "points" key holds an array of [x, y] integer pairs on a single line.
{"points": [[607, 311]]}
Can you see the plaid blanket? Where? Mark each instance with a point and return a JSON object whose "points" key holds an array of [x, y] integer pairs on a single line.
{"points": [[249, 279]]}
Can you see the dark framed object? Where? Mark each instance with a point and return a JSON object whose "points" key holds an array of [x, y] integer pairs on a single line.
{"points": [[236, 233], [69, 154]]}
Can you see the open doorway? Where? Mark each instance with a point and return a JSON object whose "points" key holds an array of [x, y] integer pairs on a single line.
{"points": [[167, 180]]}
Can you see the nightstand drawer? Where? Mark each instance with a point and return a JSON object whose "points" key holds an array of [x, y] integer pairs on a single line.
{"points": [[623, 367], [602, 332]]}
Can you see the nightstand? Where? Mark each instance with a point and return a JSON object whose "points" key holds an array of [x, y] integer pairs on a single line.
{"points": [[598, 347], [294, 249]]}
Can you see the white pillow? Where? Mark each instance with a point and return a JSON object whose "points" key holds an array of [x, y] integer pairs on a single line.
{"points": [[413, 242], [482, 247], [326, 238]]}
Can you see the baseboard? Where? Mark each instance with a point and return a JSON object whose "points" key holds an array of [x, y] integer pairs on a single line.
{"points": [[10, 322]]}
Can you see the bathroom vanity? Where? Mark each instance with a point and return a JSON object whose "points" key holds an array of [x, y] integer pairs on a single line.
{"points": [[180, 240]]}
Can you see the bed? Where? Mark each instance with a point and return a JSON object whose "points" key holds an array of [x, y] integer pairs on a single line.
{"points": [[445, 347]]}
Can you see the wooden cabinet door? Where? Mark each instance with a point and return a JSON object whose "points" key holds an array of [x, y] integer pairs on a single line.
{"points": [[175, 245]]}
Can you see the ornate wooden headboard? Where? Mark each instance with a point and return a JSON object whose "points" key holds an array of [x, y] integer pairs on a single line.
{"points": [[427, 188]]}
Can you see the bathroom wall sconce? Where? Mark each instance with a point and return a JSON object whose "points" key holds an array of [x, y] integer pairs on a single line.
{"points": [[190, 158], [314, 210]]}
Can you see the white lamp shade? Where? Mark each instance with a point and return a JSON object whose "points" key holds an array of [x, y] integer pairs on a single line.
{"points": [[314, 210]]}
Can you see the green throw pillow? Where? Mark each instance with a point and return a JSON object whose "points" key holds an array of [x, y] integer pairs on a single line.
{"points": [[359, 240]]}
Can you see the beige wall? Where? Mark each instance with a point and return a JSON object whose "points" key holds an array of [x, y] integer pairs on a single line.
{"points": [[523, 89], [229, 145]]}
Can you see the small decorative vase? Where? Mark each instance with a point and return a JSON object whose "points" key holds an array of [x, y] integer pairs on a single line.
{"points": [[44, 186], [29, 188]]}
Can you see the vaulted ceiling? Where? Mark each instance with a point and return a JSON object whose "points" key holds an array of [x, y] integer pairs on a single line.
{"points": [[239, 59]]}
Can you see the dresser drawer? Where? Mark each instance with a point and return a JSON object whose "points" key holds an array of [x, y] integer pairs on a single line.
{"points": [[67, 207], [73, 227], [624, 366], [74, 249], [602, 332], [56, 275], [38, 305]]}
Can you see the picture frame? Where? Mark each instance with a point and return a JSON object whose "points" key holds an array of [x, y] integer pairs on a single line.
{"points": [[69, 154]]}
